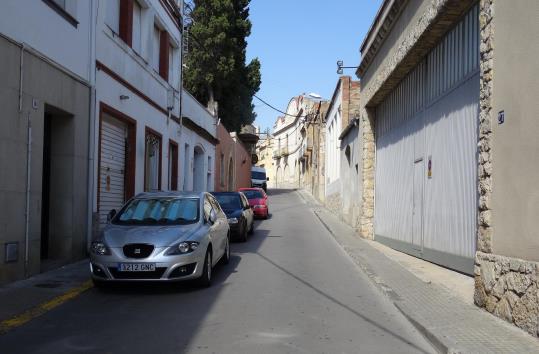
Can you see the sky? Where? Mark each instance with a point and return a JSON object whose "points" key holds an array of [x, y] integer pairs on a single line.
{"points": [[298, 43]]}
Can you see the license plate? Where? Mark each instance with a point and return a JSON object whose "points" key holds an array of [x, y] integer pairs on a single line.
{"points": [[136, 267]]}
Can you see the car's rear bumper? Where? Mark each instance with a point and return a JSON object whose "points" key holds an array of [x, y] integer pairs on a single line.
{"points": [[260, 211]]}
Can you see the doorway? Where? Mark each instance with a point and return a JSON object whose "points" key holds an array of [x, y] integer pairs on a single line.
{"points": [[198, 170], [57, 188]]}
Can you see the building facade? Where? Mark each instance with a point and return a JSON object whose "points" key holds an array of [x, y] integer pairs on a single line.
{"points": [[342, 179], [233, 162], [144, 139], [45, 90], [290, 143], [265, 153], [312, 151], [449, 153]]}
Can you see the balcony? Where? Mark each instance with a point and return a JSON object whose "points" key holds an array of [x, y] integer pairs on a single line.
{"points": [[283, 151]]}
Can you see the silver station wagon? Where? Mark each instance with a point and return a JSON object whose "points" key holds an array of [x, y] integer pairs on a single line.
{"points": [[162, 236]]}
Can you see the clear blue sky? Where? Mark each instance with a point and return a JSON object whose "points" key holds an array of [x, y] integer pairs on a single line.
{"points": [[299, 42]]}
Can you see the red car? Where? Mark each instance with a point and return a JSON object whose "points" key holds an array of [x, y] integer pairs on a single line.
{"points": [[258, 200]]}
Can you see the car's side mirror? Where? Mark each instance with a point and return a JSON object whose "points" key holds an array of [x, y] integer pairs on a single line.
{"points": [[111, 215], [267, 178], [213, 217]]}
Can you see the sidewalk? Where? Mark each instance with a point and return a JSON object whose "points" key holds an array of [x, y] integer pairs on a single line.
{"points": [[447, 318], [26, 299]]}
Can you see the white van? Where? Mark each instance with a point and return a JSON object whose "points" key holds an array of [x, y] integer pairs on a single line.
{"points": [[258, 177]]}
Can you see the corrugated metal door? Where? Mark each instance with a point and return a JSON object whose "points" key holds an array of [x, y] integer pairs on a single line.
{"points": [[426, 153], [112, 168]]}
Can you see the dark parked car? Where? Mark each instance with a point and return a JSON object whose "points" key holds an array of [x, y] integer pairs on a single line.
{"points": [[240, 215]]}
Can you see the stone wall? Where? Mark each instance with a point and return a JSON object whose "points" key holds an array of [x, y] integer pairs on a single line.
{"points": [[507, 287], [484, 173], [366, 222]]}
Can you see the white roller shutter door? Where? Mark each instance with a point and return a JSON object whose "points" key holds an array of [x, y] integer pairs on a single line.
{"points": [[431, 117], [112, 168]]}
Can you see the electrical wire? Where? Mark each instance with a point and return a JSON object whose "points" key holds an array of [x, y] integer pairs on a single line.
{"points": [[201, 46]]}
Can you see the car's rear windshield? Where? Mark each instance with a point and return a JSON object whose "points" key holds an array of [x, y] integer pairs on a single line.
{"points": [[159, 211], [252, 194], [258, 175], [229, 201]]}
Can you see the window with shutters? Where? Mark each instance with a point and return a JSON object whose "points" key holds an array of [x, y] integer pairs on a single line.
{"points": [[137, 28], [112, 15], [156, 37]]}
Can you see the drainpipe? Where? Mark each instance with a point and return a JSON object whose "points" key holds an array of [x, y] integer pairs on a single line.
{"points": [[28, 180], [28, 165], [91, 127]]}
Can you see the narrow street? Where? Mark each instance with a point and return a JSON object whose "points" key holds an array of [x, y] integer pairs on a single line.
{"points": [[289, 289]]}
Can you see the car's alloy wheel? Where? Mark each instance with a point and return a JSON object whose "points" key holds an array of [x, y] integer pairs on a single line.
{"points": [[205, 278]]}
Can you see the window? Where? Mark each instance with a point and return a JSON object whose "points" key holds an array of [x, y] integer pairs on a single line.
{"points": [[112, 15], [152, 161], [173, 166], [65, 8], [171, 64], [222, 171], [156, 37], [159, 211], [164, 46], [137, 28], [208, 179], [207, 208], [186, 169], [61, 3]]}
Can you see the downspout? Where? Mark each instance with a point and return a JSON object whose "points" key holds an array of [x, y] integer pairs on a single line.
{"points": [[28, 179], [181, 73], [91, 126], [28, 166]]}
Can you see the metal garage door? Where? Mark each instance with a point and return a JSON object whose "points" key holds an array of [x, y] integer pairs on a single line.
{"points": [[112, 168], [426, 139]]}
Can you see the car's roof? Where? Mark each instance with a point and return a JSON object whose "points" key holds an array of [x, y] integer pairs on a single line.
{"points": [[258, 169], [165, 194]]}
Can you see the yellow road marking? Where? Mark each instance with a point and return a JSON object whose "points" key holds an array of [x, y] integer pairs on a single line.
{"points": [[19, 320]]}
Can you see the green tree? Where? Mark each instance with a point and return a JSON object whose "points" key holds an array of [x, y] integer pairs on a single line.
{"points": [[216, 68]]}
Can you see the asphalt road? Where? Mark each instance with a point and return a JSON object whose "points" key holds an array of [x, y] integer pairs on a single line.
{"points": [[289, 289]]}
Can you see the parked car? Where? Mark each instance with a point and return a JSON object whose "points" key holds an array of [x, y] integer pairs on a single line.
{"points": [[162, 236], [258, 200], [238, 211], [258, 177]]}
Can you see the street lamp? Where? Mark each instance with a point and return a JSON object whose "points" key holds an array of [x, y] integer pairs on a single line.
{"points": [[340, 67]]}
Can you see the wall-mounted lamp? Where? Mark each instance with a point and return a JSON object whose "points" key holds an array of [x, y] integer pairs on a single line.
{"points": [[340, 67], [124, 97]]}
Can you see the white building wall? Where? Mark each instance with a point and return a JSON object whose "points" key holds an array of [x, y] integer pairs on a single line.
{"points": [[333, 160], [72, 50], [149, 96]]}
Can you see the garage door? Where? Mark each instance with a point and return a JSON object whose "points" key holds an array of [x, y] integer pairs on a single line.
{"points": [[426, 155], [113, 166]]}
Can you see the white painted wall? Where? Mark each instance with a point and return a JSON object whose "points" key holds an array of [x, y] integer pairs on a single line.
{"points": [[288, 165], [36, 24], [333, 159], [137, 69]]}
